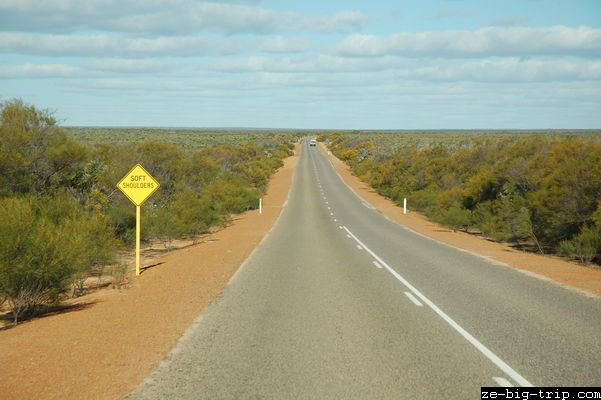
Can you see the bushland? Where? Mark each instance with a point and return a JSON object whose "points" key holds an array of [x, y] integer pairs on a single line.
{"points": [[537, 192], [62, 217]]}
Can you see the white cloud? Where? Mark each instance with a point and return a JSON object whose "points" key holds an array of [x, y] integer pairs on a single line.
{"points": [[492, 41], [119, 85], [343, 22], [39, 71], [279, 44], [197, 17], [506, 69], [165, 17], [114, 46], [96, 68], [127, 66], [270, 79], [318, 64]]}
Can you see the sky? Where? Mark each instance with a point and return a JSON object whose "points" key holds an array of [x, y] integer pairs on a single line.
{"points": [[356, 64]]}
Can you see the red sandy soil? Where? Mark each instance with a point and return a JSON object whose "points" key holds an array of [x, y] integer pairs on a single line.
{"points": [[112, 339], [570, 274]]}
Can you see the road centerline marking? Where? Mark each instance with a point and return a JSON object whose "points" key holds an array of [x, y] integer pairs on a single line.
{"points": [[377, 264], [413, 299], [475, 342], [359, 247]]}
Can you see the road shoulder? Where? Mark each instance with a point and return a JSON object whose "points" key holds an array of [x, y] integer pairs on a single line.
{"points": [[586, 280], [114, 340]]}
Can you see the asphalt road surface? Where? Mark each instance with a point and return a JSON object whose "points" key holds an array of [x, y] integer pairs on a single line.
{"points": [[339, 302]]}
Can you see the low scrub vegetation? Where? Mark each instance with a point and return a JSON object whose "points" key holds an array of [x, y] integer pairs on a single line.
{"points": [[187, 138], [536, 191], [62, 218]]}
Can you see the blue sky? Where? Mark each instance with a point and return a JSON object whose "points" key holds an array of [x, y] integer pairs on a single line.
{"points": [[354, 64]]}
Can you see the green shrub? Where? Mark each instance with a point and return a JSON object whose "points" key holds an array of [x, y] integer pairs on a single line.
{"points": [[455, 217], [566, 248], [123, 220], [536, 189], [232, 195], [422, 199], [41, 251], [587, 244], [514, 221], [194, 213], [37, 155], [70, 217], [160, 224], [596, 217]]}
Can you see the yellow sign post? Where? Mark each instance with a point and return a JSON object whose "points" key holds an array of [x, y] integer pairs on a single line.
{"points": [[138, 185]]}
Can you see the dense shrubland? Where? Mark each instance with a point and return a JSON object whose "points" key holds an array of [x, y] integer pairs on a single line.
{"points": [[535, 191], [188, 138], [62, 218]]}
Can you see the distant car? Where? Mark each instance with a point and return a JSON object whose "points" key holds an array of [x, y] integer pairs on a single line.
{"points": [[313, 142]]}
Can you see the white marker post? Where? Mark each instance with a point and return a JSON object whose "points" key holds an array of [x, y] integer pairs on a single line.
{"points": [[405, 206], [261, 205]]}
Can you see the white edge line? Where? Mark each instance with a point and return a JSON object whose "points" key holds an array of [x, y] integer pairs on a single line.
{"points": [[413, 299], [502, 381], [483, 349], [367, 205], [493, 261]]}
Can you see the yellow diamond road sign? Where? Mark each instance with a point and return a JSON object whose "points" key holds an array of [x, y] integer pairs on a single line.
{"points": [[138, 185]]}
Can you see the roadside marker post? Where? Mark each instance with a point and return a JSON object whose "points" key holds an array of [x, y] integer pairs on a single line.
{"points": [[261, 205], [138, 185], [405, 205]]}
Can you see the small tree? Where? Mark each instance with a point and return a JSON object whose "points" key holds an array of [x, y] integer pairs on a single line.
{"points": [[514, 218], [37, 156]]}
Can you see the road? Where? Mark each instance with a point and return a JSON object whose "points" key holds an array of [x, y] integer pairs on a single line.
{"points": [[339, 302]]}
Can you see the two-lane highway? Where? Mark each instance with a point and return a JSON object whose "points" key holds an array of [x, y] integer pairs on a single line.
{"points": [[339, 302]]}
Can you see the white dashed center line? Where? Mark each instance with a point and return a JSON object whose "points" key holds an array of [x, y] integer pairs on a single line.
{"points": [[413, 299]]}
